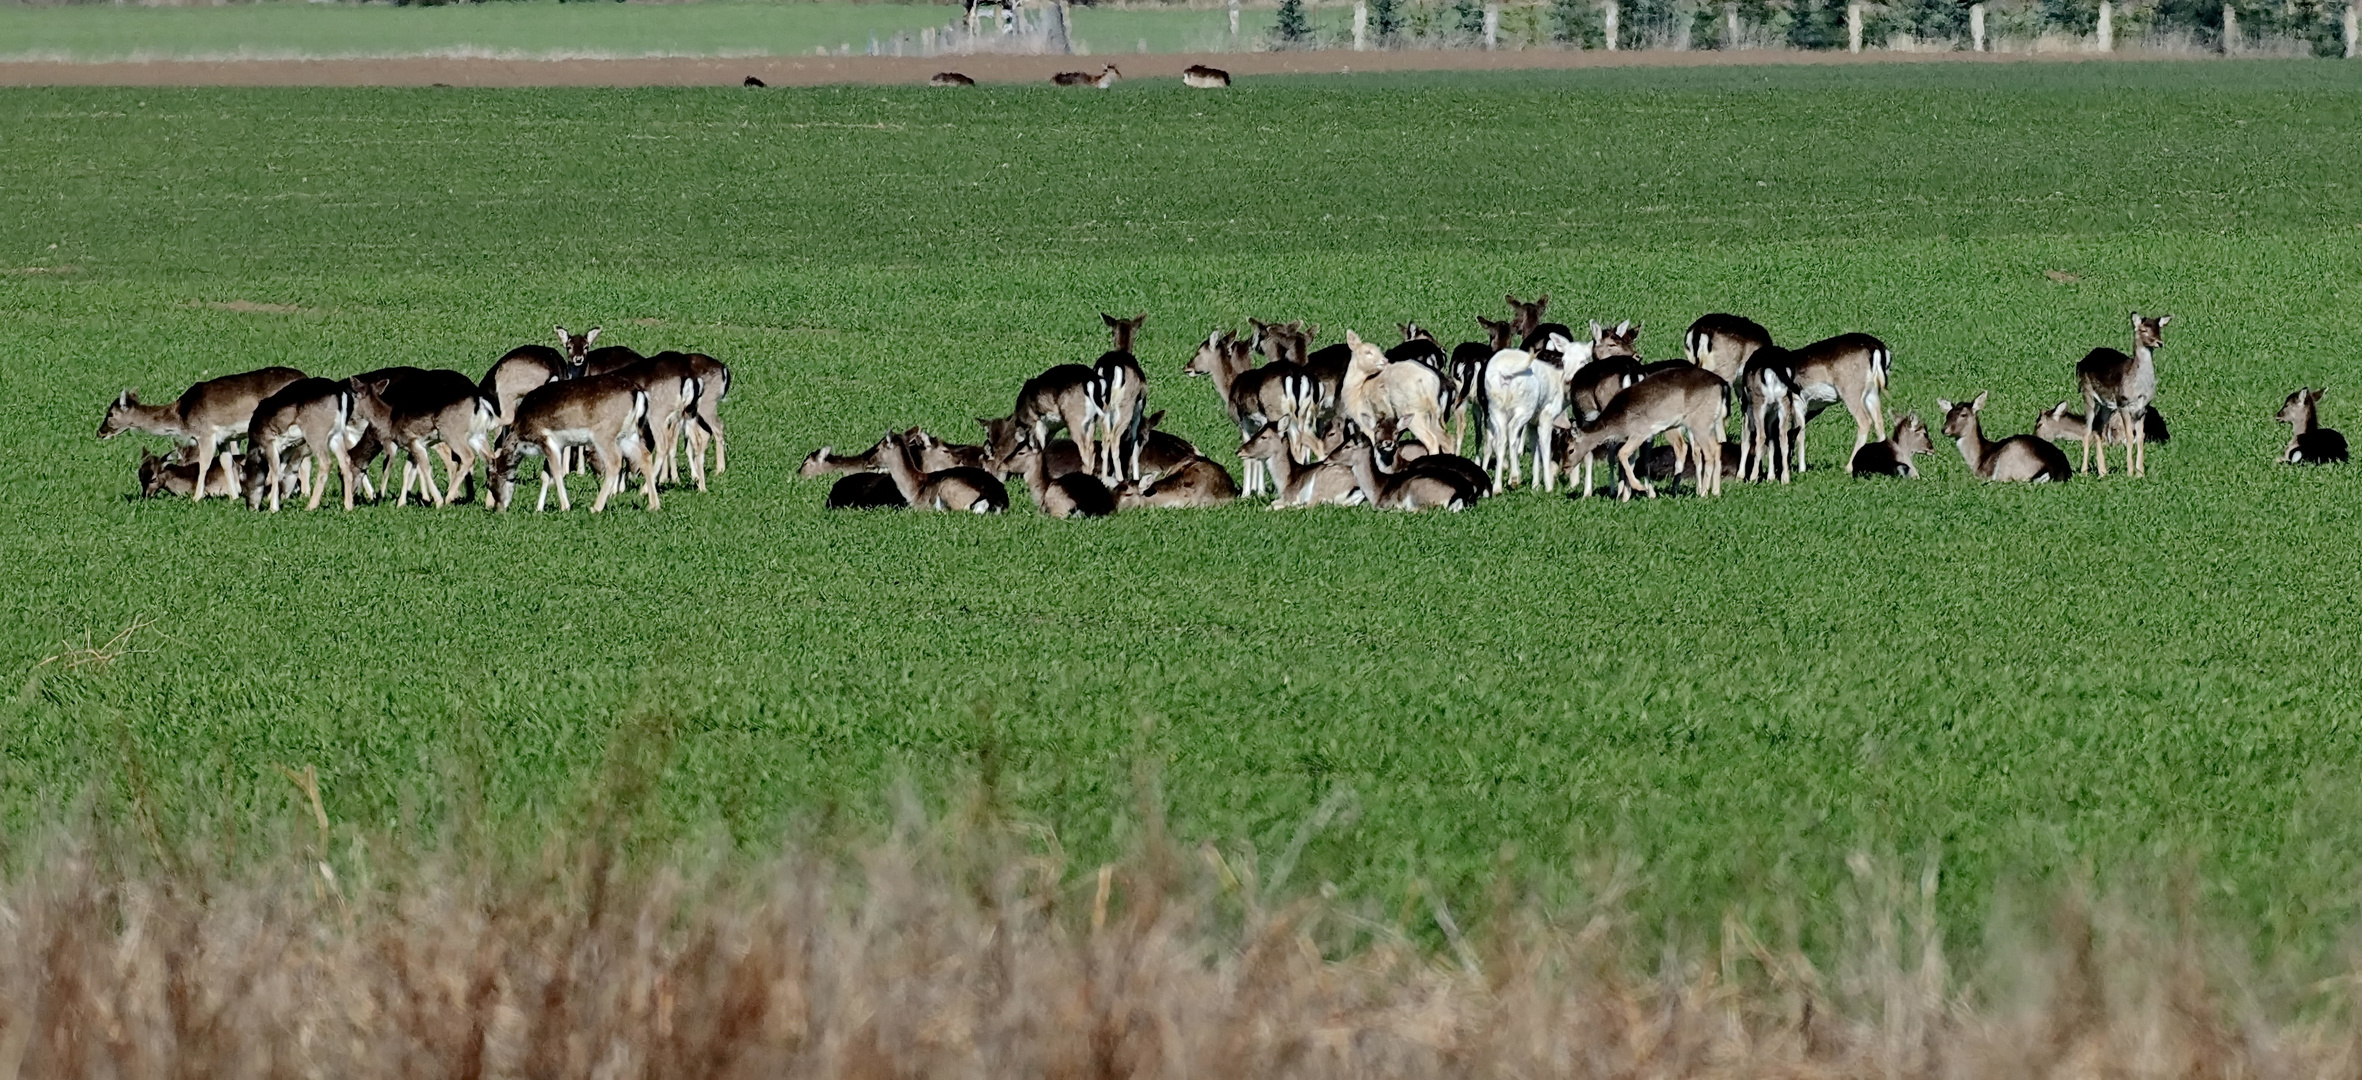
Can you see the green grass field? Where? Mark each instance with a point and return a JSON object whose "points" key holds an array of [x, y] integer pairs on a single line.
{"points": [[2021, 682], [548, 28]]}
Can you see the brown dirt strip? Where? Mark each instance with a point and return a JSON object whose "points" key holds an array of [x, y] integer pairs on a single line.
{"points": [[867, 70]]}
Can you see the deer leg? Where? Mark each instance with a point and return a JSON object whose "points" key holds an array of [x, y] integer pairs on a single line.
{"points": [[609, 465], [316, 457], [426, 473], [206, 444], [1632, 477], [556, 454], [640, 454]]}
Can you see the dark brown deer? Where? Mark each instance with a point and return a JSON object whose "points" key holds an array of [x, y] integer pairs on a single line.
{"points": [[318, 413], [521, 371], [1072, 495], [2308, 442], [950, 78], [2116, 393], [1892, 455], [441, 408], [1850, 369], [2017, 458], [204, 418], [1061, 396], [1105, 79], [1120, 399], [1201, 77]]}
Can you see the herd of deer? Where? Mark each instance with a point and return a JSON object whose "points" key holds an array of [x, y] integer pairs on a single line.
{"points": [[609, 404], [1195, 76], [1352, 423]]}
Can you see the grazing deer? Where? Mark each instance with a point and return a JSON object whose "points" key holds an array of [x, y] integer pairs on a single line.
{"points": [[673, 390], [1322, 483], [1768, 393], [2018, 457], [1253, 396], [865, 491], [441, 407], [2061, 424], [1062, 395], [1722, 343], [320, 414], [950, 78], [204, 418], [2308, 442], [1072, 495], [962, 488], [1409, 393], [606, 414], [2116, 392], [1892, 455], [1197, 482], [1201, 77], [606, 360], [1106, 78], [1691, 399], [1851, 369], [1400, 491], [521, 371]]}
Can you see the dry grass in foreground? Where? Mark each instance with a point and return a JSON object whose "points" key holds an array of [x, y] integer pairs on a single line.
{"points": [[941, 955]]}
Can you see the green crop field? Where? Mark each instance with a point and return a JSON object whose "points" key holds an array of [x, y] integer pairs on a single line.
{"points": [[1731, 695], [540, 28]]}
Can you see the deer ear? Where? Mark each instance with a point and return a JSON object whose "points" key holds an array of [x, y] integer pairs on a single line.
{"points": [[129, 396], [2163, 319], [379, 386], [1512, 298], [1943, 406], [1979, 404], [591, 336], [1542, 301], [1353, 339], [1108, 319], [562, 335]]}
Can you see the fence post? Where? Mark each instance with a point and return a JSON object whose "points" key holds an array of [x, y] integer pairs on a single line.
{"points": [[1609, 11], [1056, 39], [1853, 27], [1976, 26], [2107, 34], [1492, 25], [1730, 26], [2230, 28], [2353, 28], [1361, 25]]}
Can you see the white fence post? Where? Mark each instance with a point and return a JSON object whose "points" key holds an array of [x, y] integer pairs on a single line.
{"points": [[1976, 26], [2353, 29], [2107, 34], [1492, 25], [1853, 27], [1234, 25], [2230, 29], [1361, 25], [1611, 13], [1730, 26]]}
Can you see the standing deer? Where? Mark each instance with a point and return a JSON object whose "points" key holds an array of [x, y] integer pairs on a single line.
{"points": [[1409, 393], [1892, 456], [2018, 457], [442, 408], [1062, 395], [1466, 376], [521, 371], [1121, 400], [673, 388], [1690, 398], [1850, 369], [1722, 343], [320, 414], [605, 414], [2308, 442], [204, 418], [1253, 396], [1768, 393], [2116, 392], [713, 382]]}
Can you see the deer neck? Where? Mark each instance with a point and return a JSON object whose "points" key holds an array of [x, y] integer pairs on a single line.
{"points": [[162, 419], [1037, 474], [905, 475], [1973, 446], [1364, 464], [2144, 365]]}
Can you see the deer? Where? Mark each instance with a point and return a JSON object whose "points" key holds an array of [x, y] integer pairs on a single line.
{"points": [[936, 455], [1162, 451], [950, 78], [1892, 455], [1078, 494], [1197, 482], [1409, 393], [1253, 396], [1768, 392], [1723, 343], [605, 414], [1201, 77], [1395, 456], [173, 476], [520, 371], [1322, 483], [1526, 320], [2016, 458], [1466, 375], [826, 460], [1060, 396], [961, 488], [1120, 398], [442, 407], [1324, 367], [865, 491], [1401, 491], [1691, 399], [1851, 369], [1525, 396], [320, 414], [1105, 79], [2061, 424], [713, 380], [2116, 392], [204, 418], [673, 390], [2308, 442]]}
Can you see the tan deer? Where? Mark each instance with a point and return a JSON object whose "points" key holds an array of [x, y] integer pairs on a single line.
{"points": [[1723, 343], [1077, 494], [1323, 483], [1063, 395], [2116, 393], [1691, 399], [673, 388], [1409, 393], [1408, 490], [605, 414], [439, 408], [1849, 369], [1254, 397], [1105, 79], [1197, 482], [826, 460], [958, 489], [521, 371], [317, 413], [2016, 458], [204, 418], [1892, 455], [2308, 442], [713, 381], [1201, 77]]}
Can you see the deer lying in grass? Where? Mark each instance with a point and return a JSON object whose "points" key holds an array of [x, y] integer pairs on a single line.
{"points": [[1105, 79], [2061, 424], [950, 78], [1411, 394], [1322, 483], [1201, 77], [1078, 494], [1197, 482], [961, 488], [605, 414], [1892, 455], [2016, 458], [826, 460], [1691, 399], [205, 418], [1394, 456], [319, 414], [2308, 442], [1400, 491], [2116, 393], [865, 491], [160, 475]]}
